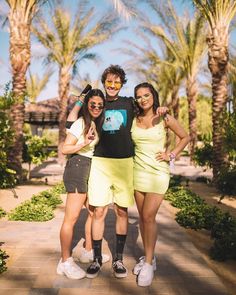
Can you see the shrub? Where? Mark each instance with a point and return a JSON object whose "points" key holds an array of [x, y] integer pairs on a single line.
{"points": [[226, 181], [59, 188], [29, 211], [48, 198], [181, 197], [199, 216], [224, 234], [2, 212], [7, 175], [203, 156], [3, 257], [175, 180], [35, 150]]}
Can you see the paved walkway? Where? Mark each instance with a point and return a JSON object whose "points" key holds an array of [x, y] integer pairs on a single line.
{"points": [[34, 251]]}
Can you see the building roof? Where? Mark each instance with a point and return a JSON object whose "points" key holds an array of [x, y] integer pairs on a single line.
{"points": [[46, 112]]}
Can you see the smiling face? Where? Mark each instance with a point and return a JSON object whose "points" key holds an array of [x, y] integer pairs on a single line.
{"points": [[95, 106], [112, 86], [144, 98]]}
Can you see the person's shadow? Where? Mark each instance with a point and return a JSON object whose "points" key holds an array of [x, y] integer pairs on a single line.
{"points": [[131, 246]]}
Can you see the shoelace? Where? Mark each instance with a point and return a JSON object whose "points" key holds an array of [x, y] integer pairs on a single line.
{"points": [[95, 264], [119, 264]]}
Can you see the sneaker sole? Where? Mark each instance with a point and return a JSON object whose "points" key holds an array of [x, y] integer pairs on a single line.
{"points": [[71, 277], [145, 284], [120, 275], [90, 276]]}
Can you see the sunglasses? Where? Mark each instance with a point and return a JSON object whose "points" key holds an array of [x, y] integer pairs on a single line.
{"points": [[117, 85], [145, 97], [94, 106]]}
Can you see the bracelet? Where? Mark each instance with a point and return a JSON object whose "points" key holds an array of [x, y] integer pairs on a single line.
{"points": [[172, 156], [79, 103]]}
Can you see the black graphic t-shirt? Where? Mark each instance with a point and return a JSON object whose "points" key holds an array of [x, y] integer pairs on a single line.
{"points": [[115, 139]]}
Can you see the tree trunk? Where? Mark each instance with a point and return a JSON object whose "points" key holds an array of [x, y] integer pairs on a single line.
{"points": [[175, 107], [20, 60], [64, 84], [175, 102], [192, 101], [218, 64]]}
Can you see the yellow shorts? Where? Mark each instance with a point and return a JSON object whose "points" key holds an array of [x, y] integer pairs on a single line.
{"points": [[111, 181]]}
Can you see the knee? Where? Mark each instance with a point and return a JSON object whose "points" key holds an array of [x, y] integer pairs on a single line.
{"points": [[99, 213], [121, 212], [148, 218], [69, 222]]}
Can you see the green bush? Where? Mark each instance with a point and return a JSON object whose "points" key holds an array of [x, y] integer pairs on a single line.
{"points": [[35, 150], [175, 180], [7, 175], [226, 181], [203, 156], [2, 212], [3, 258], [29, 211], [199, 216], [224, 234], [59, 188], [48, 198], [181, 197]]}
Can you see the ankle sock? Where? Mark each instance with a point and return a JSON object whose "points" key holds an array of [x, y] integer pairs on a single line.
{"points": [[97, 248], [120, 244]]}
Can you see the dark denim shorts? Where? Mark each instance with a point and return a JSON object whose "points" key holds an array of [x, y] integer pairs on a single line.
{"points": [[76, 174]]}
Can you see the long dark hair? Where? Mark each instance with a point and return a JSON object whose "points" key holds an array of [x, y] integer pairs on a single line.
{"points": [[155, 95], [84, 112]]}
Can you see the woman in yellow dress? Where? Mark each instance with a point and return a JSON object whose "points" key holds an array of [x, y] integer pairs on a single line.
{"points": [[151, 170]]}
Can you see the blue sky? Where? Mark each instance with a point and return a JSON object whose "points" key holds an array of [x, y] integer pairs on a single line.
{"points": [[107, 51]]}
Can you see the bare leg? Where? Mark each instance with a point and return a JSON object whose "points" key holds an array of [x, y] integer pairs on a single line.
{"points": [[98, 222], [139, 199], [151, 205], [74, 204], [121, 220], [88, 229]]}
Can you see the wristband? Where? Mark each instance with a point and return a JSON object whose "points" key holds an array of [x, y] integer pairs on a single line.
{"points": [[172, 160], [79, 103], [172, 156]]}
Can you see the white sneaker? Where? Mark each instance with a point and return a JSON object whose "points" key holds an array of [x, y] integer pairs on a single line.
{"points": [[87, 256], [141, 262], [70, 269], [146, 275]]}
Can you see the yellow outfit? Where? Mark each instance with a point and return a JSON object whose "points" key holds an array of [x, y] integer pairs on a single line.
{"points": [[150, 175], [111, 181]]}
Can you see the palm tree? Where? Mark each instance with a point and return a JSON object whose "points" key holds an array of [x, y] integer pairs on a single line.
{"points": [[163, 72], [20, 17], [185, 39], [35, 85], [80, 83], [68, 43], [219, 14], [123, 8]]}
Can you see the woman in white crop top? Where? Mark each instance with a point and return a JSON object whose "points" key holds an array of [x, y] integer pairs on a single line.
{"points": [[80, 142]]}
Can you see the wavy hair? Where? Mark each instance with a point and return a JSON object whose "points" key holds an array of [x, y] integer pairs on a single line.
{"points": [[155, 95], [114, 70]]}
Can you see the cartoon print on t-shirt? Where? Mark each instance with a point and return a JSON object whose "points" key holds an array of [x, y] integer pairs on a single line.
{"points": [[114, 119]]}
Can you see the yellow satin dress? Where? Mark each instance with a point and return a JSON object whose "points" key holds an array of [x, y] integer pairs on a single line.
{"points": [[150, 175]]}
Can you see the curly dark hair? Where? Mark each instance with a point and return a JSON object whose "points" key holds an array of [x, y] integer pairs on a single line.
{"points": [[84, 112], [155, 95], [114, 70]]}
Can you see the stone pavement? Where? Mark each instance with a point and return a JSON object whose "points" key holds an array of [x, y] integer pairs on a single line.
{"points": [[34, 251]]}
